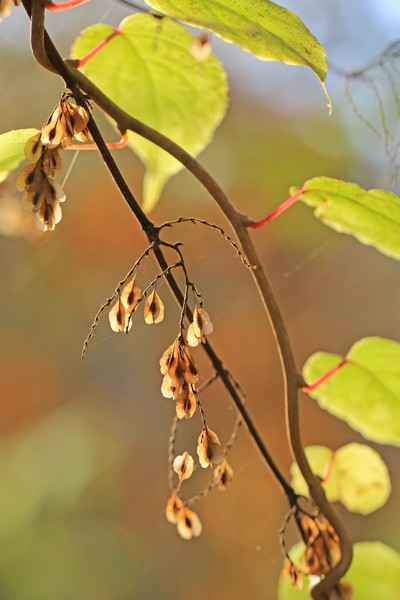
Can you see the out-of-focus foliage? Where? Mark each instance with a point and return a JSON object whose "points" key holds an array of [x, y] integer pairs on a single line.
{"points": [[265, 29], [354, 474], [45, 469], [148, 69], [365, 392]]}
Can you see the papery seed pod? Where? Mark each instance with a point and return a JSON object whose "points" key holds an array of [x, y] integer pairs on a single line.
{"points": [[27, 176], [183, 466], [51, 161], [6, 7], [48, 216], [177, 367], [200, 327], [223, 475], [174, 505], [323, 549], [188, 524], [130, 296], [167, 389], [56, 132], [77, 119], [33, 148], [191, 373], [201, 47], [118, 317], [167, 357], [186, 403], [209, 449], [290, 571], [153, 308]]}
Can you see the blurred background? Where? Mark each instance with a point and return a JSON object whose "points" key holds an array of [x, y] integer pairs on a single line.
{"points": [[83, 446]]}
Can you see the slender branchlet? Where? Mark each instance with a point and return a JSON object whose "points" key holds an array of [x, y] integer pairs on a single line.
{"points": [[111, 298], [222, 231]]}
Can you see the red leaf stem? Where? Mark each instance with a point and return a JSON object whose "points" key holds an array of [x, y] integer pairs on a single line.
{"points": [[64, 5], [328, 468], [96, 49], [316, 384], [278, 211], [110, 145]]}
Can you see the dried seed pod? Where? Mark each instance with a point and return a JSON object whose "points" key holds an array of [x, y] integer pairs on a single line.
{"points": [[183, 466], [118, 317], [200, 327], [209, 449], [186, 403], [153, 308], [130, 296], [223, 475], [323, 550], [201, 47], [188, 524], [174, 505], [290, 571]]}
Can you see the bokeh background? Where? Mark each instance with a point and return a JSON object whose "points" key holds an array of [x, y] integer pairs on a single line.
{"points": [[83, 446]]}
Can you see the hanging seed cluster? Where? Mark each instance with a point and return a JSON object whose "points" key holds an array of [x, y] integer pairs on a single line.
{"points": [[180, 378], [41, 193]]}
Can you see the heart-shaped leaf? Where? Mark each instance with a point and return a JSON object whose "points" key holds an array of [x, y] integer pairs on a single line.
{"points": [[365, 391], [373, 216], [148, 69], [263, 28], [355, 475], [12, 145]]}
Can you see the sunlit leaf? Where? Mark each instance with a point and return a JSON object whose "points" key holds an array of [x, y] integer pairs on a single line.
{"points": [[12, 146], [150, 72], [263, 28], [355, 475], [374, 573], [373, 216], [365, 392]]}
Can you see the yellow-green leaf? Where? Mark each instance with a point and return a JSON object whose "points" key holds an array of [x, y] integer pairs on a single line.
{"points": [[371, 216], [355, 475], [365, 392], [12, 144], [263, 28], [149, 71]]}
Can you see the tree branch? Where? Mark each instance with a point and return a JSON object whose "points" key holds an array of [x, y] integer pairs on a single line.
{"points": [[58, 66], [240, 223]]}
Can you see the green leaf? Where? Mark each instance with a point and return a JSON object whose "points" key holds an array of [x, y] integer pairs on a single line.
{"points": [[373, 217], [263, 28], [150, 72], [355, 475], [365, 392], [12, 146], [374, 573]]}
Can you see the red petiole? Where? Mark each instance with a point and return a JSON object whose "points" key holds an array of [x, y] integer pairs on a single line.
{"points": [[328, 375], [64, 5], [278, 211]]}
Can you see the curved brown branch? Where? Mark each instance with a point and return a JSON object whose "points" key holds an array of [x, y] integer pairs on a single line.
{"points": [[293, 380], [150, 230]]}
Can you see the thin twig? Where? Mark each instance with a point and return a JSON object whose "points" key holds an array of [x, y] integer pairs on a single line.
{"points": [[222, 231], [171, 452], [111, 298]]}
